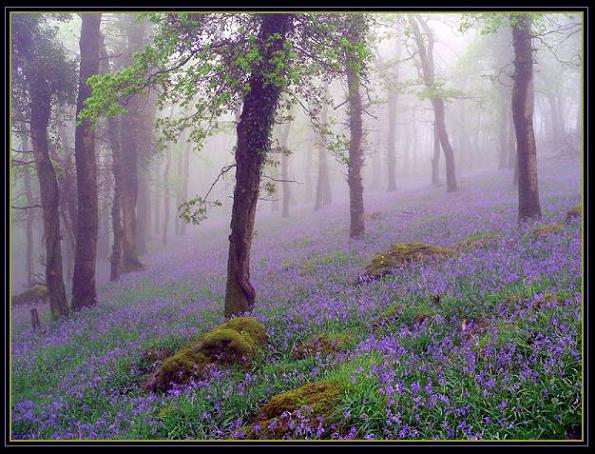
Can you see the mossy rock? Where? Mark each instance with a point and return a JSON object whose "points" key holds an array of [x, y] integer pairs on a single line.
{"points": [[400, 254], [153, 358], [236, 341], [249, 325], [478, 240], [322, 345], [39, 293], [318, 399], [545, 230], [574, 213]]}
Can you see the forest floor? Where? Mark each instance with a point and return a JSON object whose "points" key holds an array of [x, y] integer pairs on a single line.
{"points": [[483, 344]]}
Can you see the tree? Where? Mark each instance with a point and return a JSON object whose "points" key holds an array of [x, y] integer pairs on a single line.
{"points": [[323, 184], [83, 282], [522, 112], [214, 63], [355, 35], [42, 74], [426, 56]]}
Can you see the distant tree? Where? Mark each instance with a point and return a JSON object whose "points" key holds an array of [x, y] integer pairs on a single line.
{"points": [[42, 75], [83, 281], [435, 93], [323, 182]]}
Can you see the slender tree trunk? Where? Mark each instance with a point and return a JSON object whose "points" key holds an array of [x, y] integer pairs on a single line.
{"points": [[166, 195], [142, 225], [323, 187], [391, 160], [436, 157], [186, 178], [284, 170], [29, 264], [253, 133], [427, 63], [83, 281], [356, 155], [522, 112], [308, 168], [156, 204], [48, 189]]}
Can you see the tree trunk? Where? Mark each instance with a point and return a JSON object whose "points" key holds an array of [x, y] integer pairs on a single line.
{"points": [[130, 138], [83, 281], [48, 189], [253, 133], [356, 155], [284, 170], [29, 264], [502, 130], [391, 161], [323, 185], [143, 208], [166, 195], [308, 168], [436, 157], [522, 112], [427, 63], [186, 178]]}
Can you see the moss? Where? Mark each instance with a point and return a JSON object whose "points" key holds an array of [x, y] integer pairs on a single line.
{"points": [[574, 212], [249, 325], [236, 341], [37, 293], [545, 230], [320, 398], [321, 345], [403, 253], [478, 240]]}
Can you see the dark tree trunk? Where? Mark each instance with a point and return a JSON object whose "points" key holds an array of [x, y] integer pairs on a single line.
{"points": [[356, 155], [253, 132], [117, 252], [323, 185], [48, 189], [427, 63], [522, 112], [83, 281], [143, 208]]}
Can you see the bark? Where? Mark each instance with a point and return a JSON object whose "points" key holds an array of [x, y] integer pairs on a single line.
{"points": [[356, 155], [83, 281], [308, 168], [130, 139], [427, 63], [253, 142], [323, 185], [522, 112], [48, 189]]}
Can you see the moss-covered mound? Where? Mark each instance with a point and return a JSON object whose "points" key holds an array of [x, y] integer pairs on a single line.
{"points": [[545, 230], [400, 254], [322, 345], [478, 240], [236, 341], [39, 293], [277, 416], [573, 213]]}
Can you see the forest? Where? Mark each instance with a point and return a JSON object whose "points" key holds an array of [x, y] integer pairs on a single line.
{"points": [[296, 226]]}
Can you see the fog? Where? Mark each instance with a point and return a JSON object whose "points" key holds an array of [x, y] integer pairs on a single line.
{"points": [[474, 69]]}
